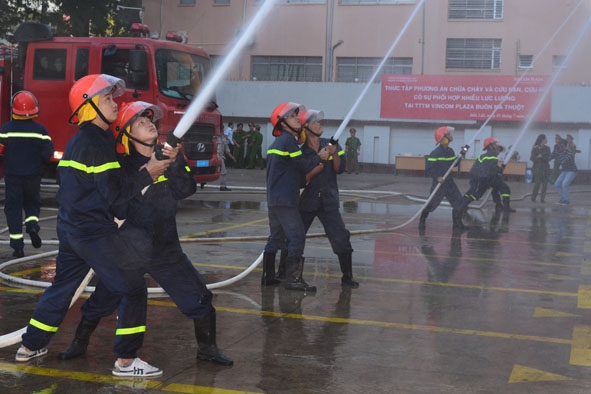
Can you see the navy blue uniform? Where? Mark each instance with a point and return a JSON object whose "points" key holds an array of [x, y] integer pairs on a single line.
{"points": [[286, 169], [26, 147], [486, 173], [320, 198], [155, 214], [438, 162], [93, 190]]}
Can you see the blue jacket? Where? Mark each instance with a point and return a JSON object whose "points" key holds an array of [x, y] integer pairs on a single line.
{"points": [[322, 192], [93, 188], [439, 161], [486, 166], [286, 170], [27, 147], [155, 211]]}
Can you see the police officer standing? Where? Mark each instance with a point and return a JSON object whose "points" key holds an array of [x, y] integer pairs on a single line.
{"points": [[26, 146]]}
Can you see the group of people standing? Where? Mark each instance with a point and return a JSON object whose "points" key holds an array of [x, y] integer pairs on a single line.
{"points": [[563, 171], [245, 145]]}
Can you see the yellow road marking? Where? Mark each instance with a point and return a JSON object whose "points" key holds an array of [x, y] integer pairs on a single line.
{"points": [[580, 353], [567, 254], [375, 323], [560, 277], [196, 235], [586, 266], [584, 297], [587, 246], [522, 374], [543, 312], [110, 379]]}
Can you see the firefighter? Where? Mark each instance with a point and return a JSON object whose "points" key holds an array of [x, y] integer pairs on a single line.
{"points": [[26, 147], [286, 170], [438, 163], [320, 197], [93, 192], [486, 173], [155, 213]]}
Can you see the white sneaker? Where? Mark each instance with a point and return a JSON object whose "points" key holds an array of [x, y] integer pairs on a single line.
{"points": [[23, 355], [137, 368]]}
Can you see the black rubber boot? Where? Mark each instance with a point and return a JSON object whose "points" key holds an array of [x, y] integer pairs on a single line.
{"points": [[346, 262], [268, 278], [294, 280], [205, 330], [507, 204], [422, 220], [280, 274], [456, 216], [80, 343]]}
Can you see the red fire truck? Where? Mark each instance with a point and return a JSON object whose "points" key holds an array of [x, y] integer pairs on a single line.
{"points": [[162, 72]]}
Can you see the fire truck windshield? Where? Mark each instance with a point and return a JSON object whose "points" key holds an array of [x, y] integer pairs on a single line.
{"points": [[180, 73]]}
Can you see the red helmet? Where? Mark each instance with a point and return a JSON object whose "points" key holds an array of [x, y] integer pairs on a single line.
{"points": [[128, 113], [280, 112], [91, 86], [488, 141], [24, 103], [310, 115], [441, 132]]}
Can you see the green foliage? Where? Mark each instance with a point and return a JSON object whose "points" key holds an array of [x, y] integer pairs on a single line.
{"points": [[77, 18]]}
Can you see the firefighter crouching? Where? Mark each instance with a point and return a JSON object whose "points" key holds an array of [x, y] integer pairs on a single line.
{"points": [[26, 146], [486, 173]]}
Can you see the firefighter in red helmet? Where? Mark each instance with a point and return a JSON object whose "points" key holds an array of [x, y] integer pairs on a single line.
{"points": [[93, 192], [26, 147], [155, 215], [438, 163], [486, 173], [286, 170]]}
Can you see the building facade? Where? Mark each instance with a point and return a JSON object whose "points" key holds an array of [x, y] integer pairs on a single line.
{"points": [[323, 53]]}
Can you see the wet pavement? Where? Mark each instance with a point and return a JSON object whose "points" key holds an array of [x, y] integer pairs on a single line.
{"points": [[501, 308]]}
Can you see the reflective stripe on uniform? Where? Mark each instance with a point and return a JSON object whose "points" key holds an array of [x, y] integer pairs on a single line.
{"points": [[284, 153], [130, 330], [89, 169], [16, 236], [15, 134], [41, 326], [31, 219], [161, 178], [452, 158]]}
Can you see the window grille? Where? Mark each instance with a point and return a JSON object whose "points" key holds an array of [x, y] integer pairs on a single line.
{"points": [[473, 53]]}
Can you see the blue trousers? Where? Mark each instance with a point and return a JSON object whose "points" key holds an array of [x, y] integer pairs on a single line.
{"points": [[119, 266], [22, 192], [287, 231], [334, 227]]}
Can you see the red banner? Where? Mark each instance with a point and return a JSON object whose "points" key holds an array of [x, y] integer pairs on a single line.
{"points": [[463, 97]]}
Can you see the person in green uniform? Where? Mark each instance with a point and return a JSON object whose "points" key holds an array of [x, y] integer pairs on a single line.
{"points": [[352, 146], [255, 143], [540, 156]]}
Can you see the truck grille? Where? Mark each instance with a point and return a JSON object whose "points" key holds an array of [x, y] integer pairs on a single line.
{"points": [[198, 142]]}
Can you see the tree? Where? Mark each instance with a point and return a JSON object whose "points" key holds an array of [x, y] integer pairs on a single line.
{"points": [[83, 17]]}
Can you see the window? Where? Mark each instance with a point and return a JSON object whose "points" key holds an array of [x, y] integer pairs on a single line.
{"points": [[115, 62], [81, 63], [187, 2], [363, 2], [299, 1], [473, 53], [558, 62], [475, 9], [50, 64], [526, 61], [360, 69], [221, 2], [287, 68]]}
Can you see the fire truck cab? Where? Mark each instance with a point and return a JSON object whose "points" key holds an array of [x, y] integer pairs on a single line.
{"points": [[164, 73]]}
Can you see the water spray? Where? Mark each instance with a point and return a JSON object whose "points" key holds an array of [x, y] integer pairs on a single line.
{"points": [[345, 121], [205, 94]]}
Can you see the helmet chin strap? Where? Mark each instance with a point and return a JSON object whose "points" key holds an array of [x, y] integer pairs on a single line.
{"points": [[289, 127], [98, 112], [316, 134], [138, 141]]}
